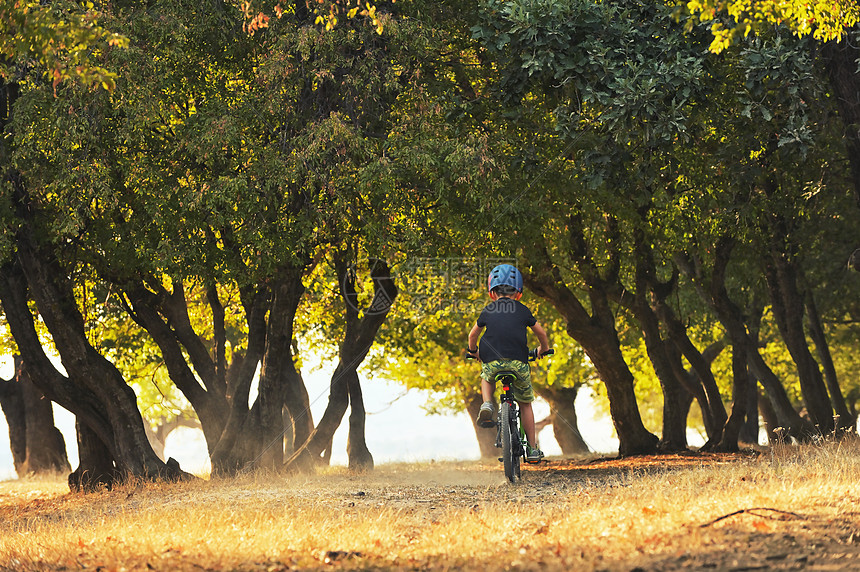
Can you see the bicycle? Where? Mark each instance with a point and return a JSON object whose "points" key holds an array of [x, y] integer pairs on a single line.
{"points": [[510, 436]]}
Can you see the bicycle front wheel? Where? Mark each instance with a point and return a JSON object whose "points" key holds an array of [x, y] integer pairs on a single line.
{"points": [[510, 456]]}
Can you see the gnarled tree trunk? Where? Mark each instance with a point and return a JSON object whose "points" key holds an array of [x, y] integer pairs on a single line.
{"points": [[94, 389], [359, 455], [598, 337], [788, 309], [359, 334], [845, 420], [713, 291], [46, 447], [742, 387]]}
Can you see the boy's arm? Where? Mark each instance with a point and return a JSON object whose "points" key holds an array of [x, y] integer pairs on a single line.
{"points": [[473, 339], [542, 338]]}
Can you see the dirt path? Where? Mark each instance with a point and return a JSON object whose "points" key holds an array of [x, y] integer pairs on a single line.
{"points": [[669, 512]]}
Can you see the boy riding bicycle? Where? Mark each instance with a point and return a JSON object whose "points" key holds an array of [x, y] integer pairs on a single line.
{"points": [[504, 346]]}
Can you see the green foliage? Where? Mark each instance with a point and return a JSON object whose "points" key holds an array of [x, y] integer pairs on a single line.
{"points": [[824, 20], [64, 38]]}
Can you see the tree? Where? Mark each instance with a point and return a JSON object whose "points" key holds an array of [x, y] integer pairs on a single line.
{"points": [[730, 21], [37, 445], [630, 96], [216, 165]]}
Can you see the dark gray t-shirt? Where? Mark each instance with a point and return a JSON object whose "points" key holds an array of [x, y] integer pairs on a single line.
{"points": [[506, 321]]}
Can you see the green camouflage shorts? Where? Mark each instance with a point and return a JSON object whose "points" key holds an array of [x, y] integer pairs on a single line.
{"points": [[522, 387]]}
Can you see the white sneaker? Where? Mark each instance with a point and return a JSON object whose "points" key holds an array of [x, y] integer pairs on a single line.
{"points": [[485, 415], [534, 454]]}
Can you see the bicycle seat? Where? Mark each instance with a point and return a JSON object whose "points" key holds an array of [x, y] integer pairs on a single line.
{"points": [[501, 375]]}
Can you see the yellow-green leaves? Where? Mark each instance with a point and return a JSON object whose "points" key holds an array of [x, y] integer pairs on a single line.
{"points": [[824, 20], [64, 38]]}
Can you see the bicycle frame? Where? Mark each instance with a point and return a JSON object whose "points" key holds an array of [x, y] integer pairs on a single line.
{"points": [[509, 435]]}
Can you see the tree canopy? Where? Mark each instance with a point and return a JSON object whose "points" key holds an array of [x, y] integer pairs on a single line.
{"points": [[343, 178]]}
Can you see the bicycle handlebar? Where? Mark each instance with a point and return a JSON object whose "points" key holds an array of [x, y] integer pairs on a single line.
{"points": [[533, 354]]}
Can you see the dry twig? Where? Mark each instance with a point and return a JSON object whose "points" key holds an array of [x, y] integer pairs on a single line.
{"points": [[782, 513]]}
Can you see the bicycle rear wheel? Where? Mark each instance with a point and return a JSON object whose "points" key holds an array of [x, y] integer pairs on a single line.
{"points": [[510, 457]]}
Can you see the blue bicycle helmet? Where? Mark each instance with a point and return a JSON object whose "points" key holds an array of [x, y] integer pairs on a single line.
{"points": [[505, 275]]}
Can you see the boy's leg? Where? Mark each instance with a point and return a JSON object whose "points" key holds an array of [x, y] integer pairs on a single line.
{"points": [[527, 415], [485, 414], [486, 390]]}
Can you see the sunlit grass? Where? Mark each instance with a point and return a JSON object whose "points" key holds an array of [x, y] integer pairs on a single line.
{"points": [[425, 516]]}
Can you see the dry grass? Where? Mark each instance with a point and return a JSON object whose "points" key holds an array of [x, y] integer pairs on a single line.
{"points": [[653, 513]]}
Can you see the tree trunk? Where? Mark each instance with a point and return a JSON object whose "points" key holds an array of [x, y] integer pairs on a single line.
{"points": [[239, 444], [750, 429], [279, 380], [486, 437], [96, 466], [95, 390], [143, 306], [279, 373], [359, 455], [788, 304], [563, 418], [359, 336], [742, 386], [598, 337], [845, 420], [713, 290], [649, 290], [46, 447], [12, 403], [674, 436], [702, 385]]}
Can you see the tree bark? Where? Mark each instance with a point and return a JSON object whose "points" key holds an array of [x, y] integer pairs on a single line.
{"points": [[674, 436], [279, 380], [281, 384], [750, 429], [12, 403], [95, 390], [143, 306], [237, 435], [742, 386], [845, 420], [598, 337], [96, 466], [563, 418], [649, 290], [788, 303], [46, 447], [359, 334], [713, 291], [359, 455], [702, 384]]}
